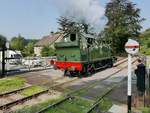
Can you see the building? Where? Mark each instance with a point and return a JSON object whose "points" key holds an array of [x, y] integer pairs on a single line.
{"points": [[48, 40]]}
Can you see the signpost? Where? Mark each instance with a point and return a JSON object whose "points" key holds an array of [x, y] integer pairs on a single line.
{"points": [[131, 47], [7, 56], [5, 46], [3, 60]]}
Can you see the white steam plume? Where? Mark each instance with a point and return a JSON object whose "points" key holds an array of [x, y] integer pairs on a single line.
{"points": [[89, 11]]}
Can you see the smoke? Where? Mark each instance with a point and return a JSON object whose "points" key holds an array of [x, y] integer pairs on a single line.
{"points": [[87, 11]]}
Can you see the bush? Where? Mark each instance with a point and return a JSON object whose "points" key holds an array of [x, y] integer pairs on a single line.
{"points": [[47, 51]]}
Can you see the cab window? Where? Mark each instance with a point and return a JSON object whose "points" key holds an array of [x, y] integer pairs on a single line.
{"points": [[72, 37]]}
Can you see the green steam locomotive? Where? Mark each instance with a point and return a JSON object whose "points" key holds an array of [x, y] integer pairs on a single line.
{"points": [[82, 54]]}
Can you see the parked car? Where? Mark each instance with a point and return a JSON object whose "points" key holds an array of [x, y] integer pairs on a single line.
{"points": [[32, 62]]}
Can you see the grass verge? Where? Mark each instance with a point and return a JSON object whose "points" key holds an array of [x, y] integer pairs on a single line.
{"points": [[146, 110], [11, 83], [76, 105], [37, 107], [105, 105], [32, 90]]}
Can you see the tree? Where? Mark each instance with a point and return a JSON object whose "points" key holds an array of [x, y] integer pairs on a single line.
{"points": [[29, 49], [123, 22], [145, 42], [2, 40], [47, 51], [30, 40], [67, 26], [18, 43]]}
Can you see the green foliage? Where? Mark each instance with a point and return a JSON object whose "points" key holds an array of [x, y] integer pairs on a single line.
{"points": [[148, 44], [47, 51], [26, 46], [2, 40], [11, 83], [145, 42], [29, 49], [123, 22], [67, 26], [31, 41], [18, 43]]}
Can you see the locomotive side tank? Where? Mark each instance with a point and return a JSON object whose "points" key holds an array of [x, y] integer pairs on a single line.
{"points": [[79, 54]]}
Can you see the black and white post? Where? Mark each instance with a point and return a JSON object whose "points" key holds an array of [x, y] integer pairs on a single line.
{"points": [[132, 48], [129, 82]]}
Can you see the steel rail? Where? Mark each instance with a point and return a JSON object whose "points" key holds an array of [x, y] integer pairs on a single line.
{"points": [[22, 100], [54, 105], [14, 91], [87, 87], [5, 94], [103, 96], [99, 100], [8, 105], [120, 62]]}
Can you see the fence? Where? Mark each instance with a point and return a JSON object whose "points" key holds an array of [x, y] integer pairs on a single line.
{"points": [[19, 65]]}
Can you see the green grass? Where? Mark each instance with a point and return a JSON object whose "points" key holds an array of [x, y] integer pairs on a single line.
{"points": [[77, 105], [11, 83], [37, 107], [146, 110], [32, 90], [105, 105]]}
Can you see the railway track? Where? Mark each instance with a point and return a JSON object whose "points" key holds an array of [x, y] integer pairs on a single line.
{"points": [[13, 92], [92, 85], [71, 95], [22, 100], [98, 101], [68, 98], [55, 104], [6, 94], [120, 62]]}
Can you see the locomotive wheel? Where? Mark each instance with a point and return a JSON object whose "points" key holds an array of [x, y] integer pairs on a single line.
{"points": [[66, 73], [110, 64], [90, 70]]}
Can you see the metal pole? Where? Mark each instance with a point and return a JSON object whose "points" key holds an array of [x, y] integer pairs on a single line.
{"points": [[129, 83], [3, 60]]}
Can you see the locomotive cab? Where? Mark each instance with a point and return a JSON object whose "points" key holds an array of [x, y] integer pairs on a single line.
{"points": [[73, 37], [68, 52]]}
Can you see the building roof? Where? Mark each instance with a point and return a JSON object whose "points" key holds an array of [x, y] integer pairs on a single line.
{"points": [[49, 39]]}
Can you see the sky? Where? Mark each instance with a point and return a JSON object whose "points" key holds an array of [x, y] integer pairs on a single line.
{"points": [[36, 18]]}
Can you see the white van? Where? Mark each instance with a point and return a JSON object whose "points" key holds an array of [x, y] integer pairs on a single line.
{"points": [[14, 56]]}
